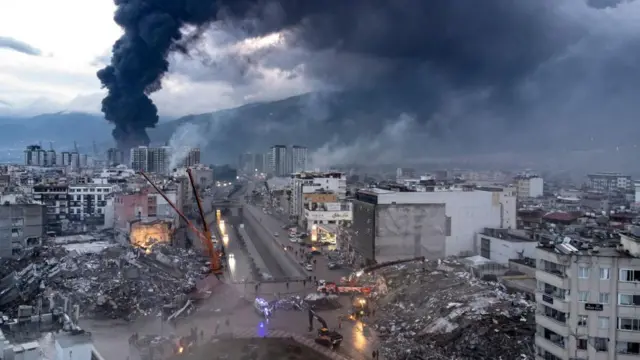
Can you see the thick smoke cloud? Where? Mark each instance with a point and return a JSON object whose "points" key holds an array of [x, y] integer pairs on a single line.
{"points": [[462, 70]]}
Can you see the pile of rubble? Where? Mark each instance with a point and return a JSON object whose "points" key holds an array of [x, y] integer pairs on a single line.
{"points": [[118, 282], [438, 311]]}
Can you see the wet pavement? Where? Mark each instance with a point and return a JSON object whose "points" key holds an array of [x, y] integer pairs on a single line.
{"points": [[233, 301]]}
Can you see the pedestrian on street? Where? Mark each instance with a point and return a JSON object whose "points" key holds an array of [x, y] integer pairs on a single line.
{"points": [[373, 354], [227, 322], [304, 282], [373, 312], [287, 285]]}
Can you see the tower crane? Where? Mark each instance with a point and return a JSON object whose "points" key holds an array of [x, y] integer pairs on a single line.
{"points": [[205, 237]]}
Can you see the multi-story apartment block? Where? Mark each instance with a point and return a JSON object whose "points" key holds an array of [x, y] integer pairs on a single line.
{"points": [[55, 199], [279, 164], [312, 182], [298, 158], [22, 226], [153, 160], [589, 301], [192, 158], [88, 202], [529, 186], [606, 182], [115, 157]]}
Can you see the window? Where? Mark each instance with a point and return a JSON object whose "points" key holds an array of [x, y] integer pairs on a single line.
{"points": [[583, 320], [628, 300], [581, 344], [583, 272], [605, 273], [583, 296], [603, 322], [629, 324], [629, 275], [601, 344], [603, 298], [628, 348]]}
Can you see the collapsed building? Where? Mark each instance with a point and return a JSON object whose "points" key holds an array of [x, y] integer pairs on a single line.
{"points": [[145, 234], [114, 281], [437, 310]]}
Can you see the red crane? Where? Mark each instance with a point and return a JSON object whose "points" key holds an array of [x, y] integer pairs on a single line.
{"points": [[205, 237]]}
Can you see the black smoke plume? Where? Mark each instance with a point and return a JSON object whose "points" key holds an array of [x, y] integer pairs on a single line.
{"points": [[421, 49], [152, 29]]}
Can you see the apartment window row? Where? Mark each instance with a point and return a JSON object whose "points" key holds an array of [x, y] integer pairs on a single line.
{"points": [[603, 298], [627, 275], [628, 324], [632, 348], [603, 321]]}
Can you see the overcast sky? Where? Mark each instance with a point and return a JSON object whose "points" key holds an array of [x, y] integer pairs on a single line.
{"points": [[49, 57]]}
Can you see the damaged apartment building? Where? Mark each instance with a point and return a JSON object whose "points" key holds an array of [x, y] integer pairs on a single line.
{"points": [[22, 227], [142, 215], [588, 299]]}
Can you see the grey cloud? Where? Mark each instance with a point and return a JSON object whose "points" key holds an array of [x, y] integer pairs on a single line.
{"points": [[19, 46]]}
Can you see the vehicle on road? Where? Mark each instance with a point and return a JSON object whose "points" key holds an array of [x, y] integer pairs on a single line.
{"points": [[262, 307], [333, 266], [326, 337], [308, 267], [266, 276], [276, 234], [293, 240], [231, 256]]}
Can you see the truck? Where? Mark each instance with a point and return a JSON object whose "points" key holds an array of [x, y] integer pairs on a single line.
{"points": [[333, 288]]}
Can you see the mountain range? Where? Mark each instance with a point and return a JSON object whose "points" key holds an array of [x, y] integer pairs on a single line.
{"points": [[311, 119]]}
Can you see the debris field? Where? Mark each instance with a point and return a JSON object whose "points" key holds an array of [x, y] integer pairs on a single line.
{"points": [[117, 282], [439, 311]]}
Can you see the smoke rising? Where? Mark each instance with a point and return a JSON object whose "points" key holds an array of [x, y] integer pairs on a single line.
{"points": [[468, 73], [185, 138]]}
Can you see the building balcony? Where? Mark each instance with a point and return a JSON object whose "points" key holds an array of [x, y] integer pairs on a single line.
{"points": [[555, 348], [552, 301], [557, 326], [553, 277]]}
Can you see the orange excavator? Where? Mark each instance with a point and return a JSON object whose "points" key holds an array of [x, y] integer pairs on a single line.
{"points": [[205, 236]]}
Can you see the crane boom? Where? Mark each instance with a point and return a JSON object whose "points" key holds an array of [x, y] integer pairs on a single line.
{"points": [[215, 261], [213, 255]]}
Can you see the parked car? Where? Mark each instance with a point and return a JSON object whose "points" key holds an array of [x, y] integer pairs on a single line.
{"points": [[309, 267], [333, 266]]}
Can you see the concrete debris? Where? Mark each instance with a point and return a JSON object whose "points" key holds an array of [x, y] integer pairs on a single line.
{"points": [[117, 282], [439, 311]]}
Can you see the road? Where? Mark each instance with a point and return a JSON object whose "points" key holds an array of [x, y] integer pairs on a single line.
{"points": [[111, 337], [358, 343]]}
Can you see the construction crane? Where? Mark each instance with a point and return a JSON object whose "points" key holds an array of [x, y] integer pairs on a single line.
{"points": [[214, 256]]}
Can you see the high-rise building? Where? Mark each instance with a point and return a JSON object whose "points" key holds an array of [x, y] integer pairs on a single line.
{"points": [[115, 157], [34, 155], [155, 160], [298, 158], [66, 158], [258, 163], [279, 161], [51, 158], [192, 158]]}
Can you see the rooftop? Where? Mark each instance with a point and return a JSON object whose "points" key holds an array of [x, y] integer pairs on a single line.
{"points": [[508, 234]]}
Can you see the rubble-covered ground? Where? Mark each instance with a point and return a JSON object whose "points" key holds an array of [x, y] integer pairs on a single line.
{"points": [[118, 282], [437, 310]]}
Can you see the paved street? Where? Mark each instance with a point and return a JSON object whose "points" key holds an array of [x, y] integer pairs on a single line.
{"points": [[358, 343]]}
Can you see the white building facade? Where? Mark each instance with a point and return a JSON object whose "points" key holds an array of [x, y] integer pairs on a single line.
{"points": [[315, 182], [88, 201], [529, 186]]}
